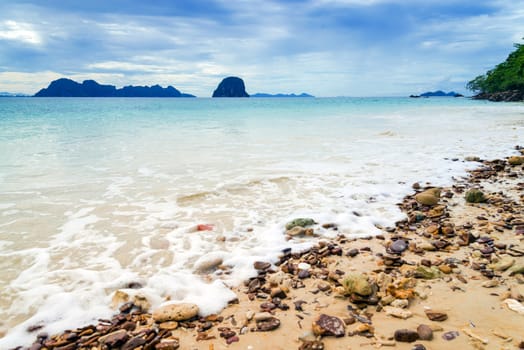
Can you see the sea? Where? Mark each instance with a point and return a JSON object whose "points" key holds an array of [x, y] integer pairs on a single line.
{"points": [[148, 196]]}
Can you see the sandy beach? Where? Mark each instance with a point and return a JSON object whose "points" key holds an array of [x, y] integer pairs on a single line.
{"points": [[450, 275]]}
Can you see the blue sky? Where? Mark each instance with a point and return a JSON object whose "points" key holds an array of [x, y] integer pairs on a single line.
{"points": [[323, 47]]}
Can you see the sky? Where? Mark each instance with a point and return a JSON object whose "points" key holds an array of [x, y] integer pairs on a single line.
{"points": [[322, 47]]}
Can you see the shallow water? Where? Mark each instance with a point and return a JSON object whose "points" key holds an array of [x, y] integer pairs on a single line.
{"points": [[99, 193]]}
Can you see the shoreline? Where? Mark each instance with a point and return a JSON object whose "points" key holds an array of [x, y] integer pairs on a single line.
{"points": [[448, 271]]}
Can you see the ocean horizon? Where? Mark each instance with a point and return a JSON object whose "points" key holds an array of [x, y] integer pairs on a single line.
{"points": [[101, 194]]}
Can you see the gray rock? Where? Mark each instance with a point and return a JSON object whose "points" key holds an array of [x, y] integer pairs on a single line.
{"points": [[424, 332]]}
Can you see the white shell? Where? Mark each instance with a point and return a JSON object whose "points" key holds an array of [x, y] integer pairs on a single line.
{"points": [[514, 305]]}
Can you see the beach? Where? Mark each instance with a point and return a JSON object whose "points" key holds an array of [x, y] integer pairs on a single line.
{"points": [[450, 275], [112, 209]]}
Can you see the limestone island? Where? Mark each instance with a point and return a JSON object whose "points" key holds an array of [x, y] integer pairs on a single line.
{"points": [[89, 88], [231, 87]]}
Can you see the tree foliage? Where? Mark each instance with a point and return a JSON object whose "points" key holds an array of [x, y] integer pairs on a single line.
{"points": [[508, 75]]}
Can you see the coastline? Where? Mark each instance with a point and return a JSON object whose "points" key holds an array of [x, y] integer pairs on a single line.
{"points": [[462, 261]]}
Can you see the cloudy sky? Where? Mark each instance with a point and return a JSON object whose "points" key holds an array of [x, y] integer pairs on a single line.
{"points": [[323, 47]]}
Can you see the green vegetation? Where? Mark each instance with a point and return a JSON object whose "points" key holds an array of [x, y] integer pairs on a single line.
{"points": [[508, 75]]}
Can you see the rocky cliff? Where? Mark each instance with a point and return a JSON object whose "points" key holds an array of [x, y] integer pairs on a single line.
{"points": [[89, 88], [231, 87]]}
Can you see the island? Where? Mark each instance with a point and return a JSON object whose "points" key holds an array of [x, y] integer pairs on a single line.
{"points": [[89, 88], [262, 94], [505, 82], [231, 87], [438, 93]]}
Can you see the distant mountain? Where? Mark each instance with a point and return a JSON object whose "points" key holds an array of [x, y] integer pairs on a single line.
{"points": [[438, 93], [10, 94], [262, 94], [89, 88], [231, 87]]}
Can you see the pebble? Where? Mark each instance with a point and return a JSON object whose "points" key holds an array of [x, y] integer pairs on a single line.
{"points": [[261, 265], [398, 246], [175, 312], [424, 332], [114, 339], [302, 222], [268, 324], [406, 335], [436, 316], [450, 335], [418, 347], [328, 325]]}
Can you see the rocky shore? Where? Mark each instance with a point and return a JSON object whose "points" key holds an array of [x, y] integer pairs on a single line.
{"points": [[449, 276], [503, 96]]}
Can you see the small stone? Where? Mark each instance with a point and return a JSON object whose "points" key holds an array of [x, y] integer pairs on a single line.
{"points": [[406, 335], [450, 335], [424, 332], [427, 273], [357, 283], [418, 347], [323, 287], [114, 339], [475, 196], [175, 312], [325, 325], [261, 265], [303, 274], [232, 339], [169, 325], [353, 252], [398, 246], [436, 316], [268, 324], [516, 160], [429, 197], [302, 222], [445, 269]]}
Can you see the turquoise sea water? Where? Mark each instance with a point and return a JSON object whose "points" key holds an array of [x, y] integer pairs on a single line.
{"points": [[98, 193]]}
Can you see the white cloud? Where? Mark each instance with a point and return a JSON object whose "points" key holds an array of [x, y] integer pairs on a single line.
{"points": [[19, 31]]}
